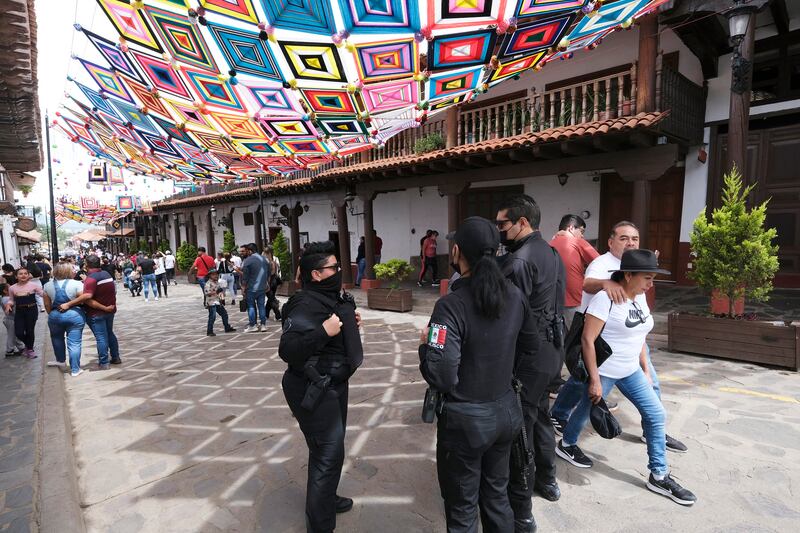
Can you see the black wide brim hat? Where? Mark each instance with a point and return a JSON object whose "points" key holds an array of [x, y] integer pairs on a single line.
{"points": [[640, 261]]}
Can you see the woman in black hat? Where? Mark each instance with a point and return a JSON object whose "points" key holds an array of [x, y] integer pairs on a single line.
{"points": [[467, 354], [625, 327]]}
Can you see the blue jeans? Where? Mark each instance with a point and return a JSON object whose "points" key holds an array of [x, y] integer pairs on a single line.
{"points": [[256, 300], [66, 331], [212, 317], [103, 328], [125, 274], [149, 281], [572, 391], [639, 391], [362, 266]]}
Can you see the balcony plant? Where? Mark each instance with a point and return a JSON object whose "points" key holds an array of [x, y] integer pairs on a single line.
{"points": [[429, 143], [393, 298], [735, 257], [25, 190]]}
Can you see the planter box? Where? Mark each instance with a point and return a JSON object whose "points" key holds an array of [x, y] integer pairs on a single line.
{"points": [[390, 299], [742, 340], [287, 288]]}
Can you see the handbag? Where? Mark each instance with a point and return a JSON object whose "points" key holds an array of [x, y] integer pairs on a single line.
{"points": [[574, 349], [242, 306]]}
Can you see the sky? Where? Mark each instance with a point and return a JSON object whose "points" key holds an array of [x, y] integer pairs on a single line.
{"points": [[57, 42]]}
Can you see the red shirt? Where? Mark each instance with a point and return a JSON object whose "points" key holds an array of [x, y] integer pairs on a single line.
{"points": [[429, 247], [576, 254], [100, 285], [203, 263]]}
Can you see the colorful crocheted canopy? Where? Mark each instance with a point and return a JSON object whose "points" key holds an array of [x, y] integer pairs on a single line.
{"points": [[229, 89]]}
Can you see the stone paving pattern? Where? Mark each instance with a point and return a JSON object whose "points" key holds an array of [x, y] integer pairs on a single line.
{"points": [[192, 434], [21, 381]]}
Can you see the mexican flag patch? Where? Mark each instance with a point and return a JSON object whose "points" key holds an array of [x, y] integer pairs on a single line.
{"points": [[437, 336]]}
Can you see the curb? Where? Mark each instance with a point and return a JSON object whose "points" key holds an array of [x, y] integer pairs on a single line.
{"points": [[58, 507]]}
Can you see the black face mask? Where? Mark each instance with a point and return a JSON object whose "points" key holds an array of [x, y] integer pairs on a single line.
{"points": [[456, 268], [332, 284]]}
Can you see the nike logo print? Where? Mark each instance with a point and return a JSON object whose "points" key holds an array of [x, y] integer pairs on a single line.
{"points": [[633, 323]]}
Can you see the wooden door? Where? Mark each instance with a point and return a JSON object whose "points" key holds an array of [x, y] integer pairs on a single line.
{"points": [[333, 236], [664, 231], [616, 199], [483, 202]]}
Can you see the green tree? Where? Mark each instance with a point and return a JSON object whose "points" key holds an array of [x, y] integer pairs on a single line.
{"points": [[281, 250], [185, 256], [229, 242], [735, 254], [163, 246]]}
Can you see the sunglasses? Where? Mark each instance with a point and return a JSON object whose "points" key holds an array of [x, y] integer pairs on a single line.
{"points": [[335, 266]]}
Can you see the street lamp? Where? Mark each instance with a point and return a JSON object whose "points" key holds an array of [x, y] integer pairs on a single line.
{"points": [[273, 209], [739, 18], [213, 211]]}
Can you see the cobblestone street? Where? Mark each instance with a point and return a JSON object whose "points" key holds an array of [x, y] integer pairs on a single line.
{"points": [[192, 434]]}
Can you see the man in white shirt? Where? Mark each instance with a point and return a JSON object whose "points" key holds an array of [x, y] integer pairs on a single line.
{"points": [[624, 236], [169, 265]]}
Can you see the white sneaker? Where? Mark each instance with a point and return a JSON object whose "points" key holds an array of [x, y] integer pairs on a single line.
{"points": [[77, 373], [56, 363], [146, 300], [259, 327], [251, 329], [156, 298]]}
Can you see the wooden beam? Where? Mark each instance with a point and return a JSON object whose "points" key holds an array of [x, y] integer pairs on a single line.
{"points": [[477, 161], [641, 140], [439, 166], [521, 156], [499, 158], [780, 15], [547, 151], [457, 164], [606, 143], [576, 148]]}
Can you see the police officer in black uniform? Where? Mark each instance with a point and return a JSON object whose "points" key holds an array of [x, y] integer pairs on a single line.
{"points": [[467, 354], [536, 268], [321, 343]]}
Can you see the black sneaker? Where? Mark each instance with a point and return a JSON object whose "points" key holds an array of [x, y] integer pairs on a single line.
{"points": [[673, 445], [573, 455], [669, 487], [419, 284], [612, 406], [435, 284], [343, 504], [228, 330], [558, 425], [116, 361], [525, 525], [211, 334]]}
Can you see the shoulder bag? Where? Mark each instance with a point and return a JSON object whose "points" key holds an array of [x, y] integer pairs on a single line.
{"points": [[574, 349]]}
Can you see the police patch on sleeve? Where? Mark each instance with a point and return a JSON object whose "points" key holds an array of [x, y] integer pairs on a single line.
{"points": [[437, 336]]}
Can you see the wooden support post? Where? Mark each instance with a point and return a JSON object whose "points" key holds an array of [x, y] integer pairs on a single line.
{"points": [[177, 229], [210, 244], [294, 238], [640, 210], [451, 121], [741, 86], [344, 244], [369, 237], [646, 64]]}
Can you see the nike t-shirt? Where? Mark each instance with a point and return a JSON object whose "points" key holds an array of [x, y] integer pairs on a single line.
{"points": [[626, 329]]}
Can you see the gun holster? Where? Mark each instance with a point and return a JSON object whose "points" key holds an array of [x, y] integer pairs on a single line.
{"points": [[318, 385], [434, 401]]}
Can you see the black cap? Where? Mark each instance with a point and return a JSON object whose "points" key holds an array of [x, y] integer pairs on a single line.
{"points": [[640, 260], [477, 236]]}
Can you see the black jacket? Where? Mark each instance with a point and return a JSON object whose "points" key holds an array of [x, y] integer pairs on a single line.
{"points": [[469, 357], [304, 337], [536, 268]]}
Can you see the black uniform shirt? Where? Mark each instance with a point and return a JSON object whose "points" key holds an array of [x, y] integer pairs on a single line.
{"points": [[303, 335], [536, 268], [470, 357]]}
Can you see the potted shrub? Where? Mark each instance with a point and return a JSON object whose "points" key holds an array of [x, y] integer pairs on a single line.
{"points": [[735, 258], [280, 249], [392, 298]]}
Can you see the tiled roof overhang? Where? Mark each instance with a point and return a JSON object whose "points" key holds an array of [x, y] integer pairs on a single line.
{"points": [[20, 120]]}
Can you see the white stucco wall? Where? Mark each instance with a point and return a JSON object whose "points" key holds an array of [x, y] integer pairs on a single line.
{"points": [[581, 193], [694, 189]]}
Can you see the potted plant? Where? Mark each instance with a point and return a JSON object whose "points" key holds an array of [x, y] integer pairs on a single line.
{"points": [[430, 143], [735, 257], [25, 190], [280, 248], [392, 298]]}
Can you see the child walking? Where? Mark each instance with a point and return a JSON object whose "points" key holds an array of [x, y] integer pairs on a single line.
{"points": [[14, 346], [212, 293]]}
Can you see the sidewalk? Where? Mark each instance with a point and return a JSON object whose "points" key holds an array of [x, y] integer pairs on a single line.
{"points": [[20, 397]]}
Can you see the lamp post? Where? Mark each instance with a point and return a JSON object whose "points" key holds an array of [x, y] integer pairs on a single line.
{"points": [[53, 235], [741, 23], [263, 230]]}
